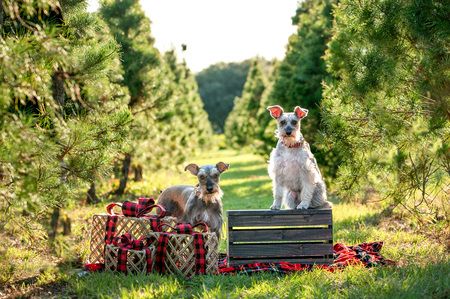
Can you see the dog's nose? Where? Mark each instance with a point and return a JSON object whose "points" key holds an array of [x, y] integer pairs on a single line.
{"points": [[210, 188], [288, 133]]}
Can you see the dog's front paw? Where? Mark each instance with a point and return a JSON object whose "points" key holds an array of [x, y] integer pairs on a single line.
{"points": [[275, 207], [302, 206]]}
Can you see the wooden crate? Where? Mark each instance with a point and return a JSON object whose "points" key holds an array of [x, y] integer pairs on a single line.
{"points": [[266, 236]]}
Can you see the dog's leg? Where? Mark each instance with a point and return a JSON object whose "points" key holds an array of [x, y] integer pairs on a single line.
{"points": [[277, 195], [291, 199], [306, 196]]}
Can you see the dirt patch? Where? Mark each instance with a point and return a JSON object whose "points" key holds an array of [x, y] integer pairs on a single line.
{"points": [[28, 289]]}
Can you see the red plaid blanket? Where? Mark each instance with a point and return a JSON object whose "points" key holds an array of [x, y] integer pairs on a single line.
{"points": [[365, 254]]}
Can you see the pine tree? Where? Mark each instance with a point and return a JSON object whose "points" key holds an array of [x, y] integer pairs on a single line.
{"points": [[191, 119], [241, 124], [62, 122], [144, 74], [387, 109], [179, 128], [299, 78], [163, 96]]}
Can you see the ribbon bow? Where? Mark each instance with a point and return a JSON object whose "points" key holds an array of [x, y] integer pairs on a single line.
{"points": [[187, 229], [141, 209], [126, 242]]}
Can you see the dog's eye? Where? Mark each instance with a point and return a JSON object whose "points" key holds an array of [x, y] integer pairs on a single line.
{"points": [[216, 176], [294, 122], [282, 122], [202, 177]]}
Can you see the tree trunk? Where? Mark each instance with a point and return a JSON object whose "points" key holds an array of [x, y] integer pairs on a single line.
{"points": [[59, 96], [67, 226], [1, 17], [125, 172], [91, 196], [54, 224], [137, 173], [58, 88]]}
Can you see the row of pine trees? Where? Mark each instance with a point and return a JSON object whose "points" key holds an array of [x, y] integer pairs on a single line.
{"points": [[375, 76], [83, 94]]}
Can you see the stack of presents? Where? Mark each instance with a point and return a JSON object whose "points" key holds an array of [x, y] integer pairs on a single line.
{"points": [[135, 241]]}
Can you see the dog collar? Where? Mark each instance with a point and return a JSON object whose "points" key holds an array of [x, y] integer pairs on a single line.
{"points": [[298, 144], [197, 190]]}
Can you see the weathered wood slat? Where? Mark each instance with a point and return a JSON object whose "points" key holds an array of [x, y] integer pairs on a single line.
{"points": [[287, 234], [276, 212], [318, 261], [278, 250], [280, 220]]}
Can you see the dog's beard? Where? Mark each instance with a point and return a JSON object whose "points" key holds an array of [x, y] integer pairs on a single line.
{"points": [[289, 140], [213, 197]]}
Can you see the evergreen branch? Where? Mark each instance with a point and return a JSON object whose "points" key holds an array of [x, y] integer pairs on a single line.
{"points": [[86, 71], [371, 135], [9, 184], [43, 115], [155, 103], [16, 13], [62, 145], [48, 188], [400, 111], [89, 150], [95, 148], [356, 118], [145, 109], [427, 98], [79, 99]]}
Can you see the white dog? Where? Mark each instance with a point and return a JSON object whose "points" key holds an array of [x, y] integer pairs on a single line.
{"points": [[297, 181]]}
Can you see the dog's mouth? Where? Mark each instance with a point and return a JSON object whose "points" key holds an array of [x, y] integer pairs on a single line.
{"points": [[289, 139]]}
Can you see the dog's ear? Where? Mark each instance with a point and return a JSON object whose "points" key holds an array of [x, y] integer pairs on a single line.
{"points": [[193, 168], [275, 111], [300, 112], [222, 166]]}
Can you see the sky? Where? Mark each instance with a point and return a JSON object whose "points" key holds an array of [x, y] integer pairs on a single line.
{"points": [[219, 30]]}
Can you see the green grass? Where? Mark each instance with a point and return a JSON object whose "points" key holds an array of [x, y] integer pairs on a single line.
{"points": [[422, 267]]}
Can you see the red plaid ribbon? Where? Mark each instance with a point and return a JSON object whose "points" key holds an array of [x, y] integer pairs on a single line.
{"points": [[140, 210], [131, 209], [125, 243], [188, 229]]}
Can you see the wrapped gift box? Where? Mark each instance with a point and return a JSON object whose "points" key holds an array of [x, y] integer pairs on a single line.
{"points": [[130, 256], [184, 251], [133, 220]]}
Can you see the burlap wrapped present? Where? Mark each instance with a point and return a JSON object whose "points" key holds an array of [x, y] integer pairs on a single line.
{"points": [[182, 251], [129, 255], [133, 220]]}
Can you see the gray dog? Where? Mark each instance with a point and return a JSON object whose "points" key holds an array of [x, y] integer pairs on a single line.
{"points": [[198, 204], [297, 181]]}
